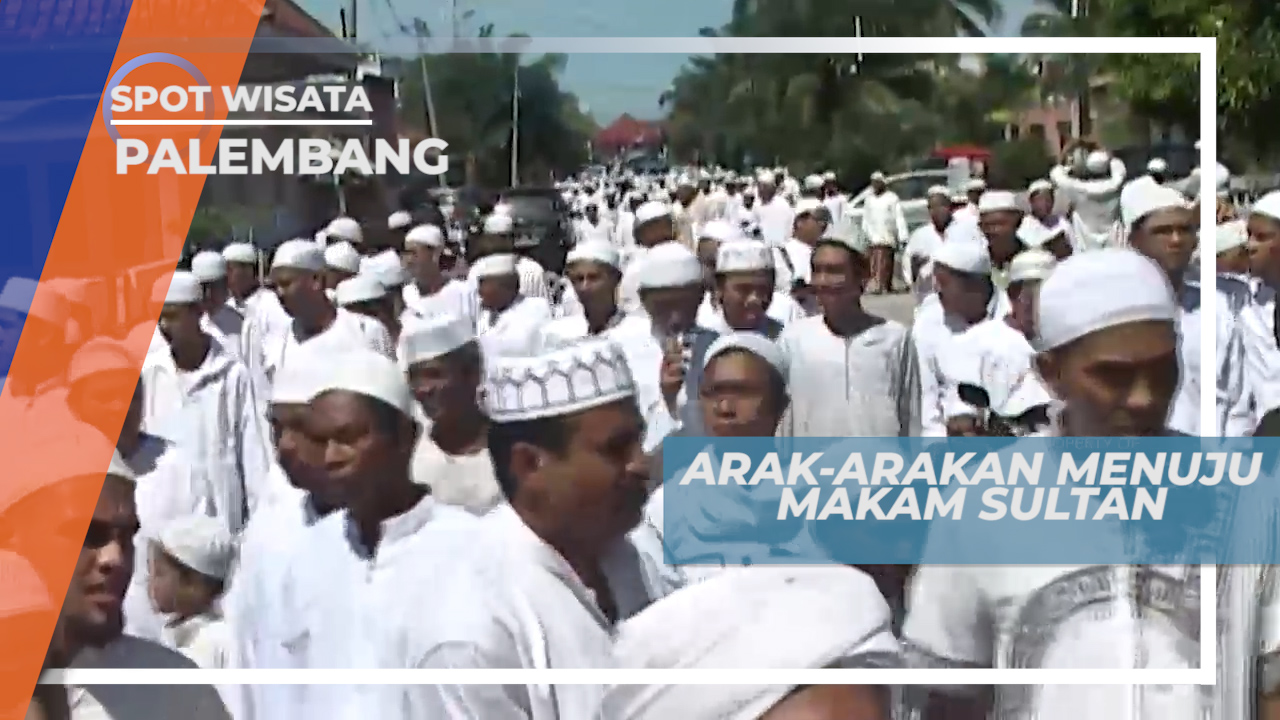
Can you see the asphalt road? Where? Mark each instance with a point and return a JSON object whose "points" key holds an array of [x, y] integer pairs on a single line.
{"points": [[898, 306]]}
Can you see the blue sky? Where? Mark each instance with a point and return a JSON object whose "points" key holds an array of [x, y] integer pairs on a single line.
{"points": [[608, 84]]}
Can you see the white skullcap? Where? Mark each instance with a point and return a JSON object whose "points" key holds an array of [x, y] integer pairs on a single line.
{"points": [[813, 182], [180, 288], [941, 190], [828, 176], [567, 380], [436, 336], [808, 205], [298, 380], [321, 237], [996, 201], [24, 590], [1032, 264], [963, 255], [975, 184], [399, 219], [720, 231], [669, 265], [708, 625], [199, 542], [1096, 290], [651, 210], [299, 255], [877, 176], [1268, 205], [1157, 165], [754, 343], [494, 266], [20, 295], [342, 256], [1231, 235], [601, 251], [209, 266], [1097, 161], [498, 224], [386, 268], [358, 289], [765, 177], [1039, 186], [1143, 200], [345, 228], [425, 236], [744, 256], [243, 253], [371, 374]]}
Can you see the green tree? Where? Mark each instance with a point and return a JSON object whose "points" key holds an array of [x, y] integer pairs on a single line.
{"points": [[474, 94], [1167, 86]]}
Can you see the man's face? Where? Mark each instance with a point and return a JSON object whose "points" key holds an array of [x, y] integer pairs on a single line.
{"points": [[599, 485], [93, 609], [746, 297], [445, 385], [593, 281], [295, 288], [498, 291], [1168, 237], [1117, 382], [737, 397], [672, 310], [180, 324], [359, 452], [1264, 247]]}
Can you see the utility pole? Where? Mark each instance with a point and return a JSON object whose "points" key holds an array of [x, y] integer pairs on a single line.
{"points": [[453, 18], [419, 30], [515, 126], [354, 35], [1080, 72]]}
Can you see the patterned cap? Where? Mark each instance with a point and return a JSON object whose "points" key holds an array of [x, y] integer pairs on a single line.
{"points": [[564, 381]]}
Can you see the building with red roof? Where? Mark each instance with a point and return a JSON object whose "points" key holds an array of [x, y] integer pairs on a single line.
{"points": [[627, 133]]}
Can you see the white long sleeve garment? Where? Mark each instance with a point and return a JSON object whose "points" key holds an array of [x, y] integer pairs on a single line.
{"points": [[213, 413], [526, 608], [514, 331], [776, 219], [256, 605], [347, 331], [170, 485], [883, 223], [1095, 204], [355, 607], [867, 385], [936, 337]]}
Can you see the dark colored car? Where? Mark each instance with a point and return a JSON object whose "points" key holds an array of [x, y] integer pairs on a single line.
{"points": [[542, 226]]}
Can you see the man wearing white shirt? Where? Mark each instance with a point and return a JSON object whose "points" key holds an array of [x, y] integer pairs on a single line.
{"points": [[772, 213], [884, 227], [566, 449], [591, 226], [924, 241]]}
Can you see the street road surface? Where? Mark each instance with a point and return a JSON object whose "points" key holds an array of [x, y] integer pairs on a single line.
{"points": [[899, 306]]}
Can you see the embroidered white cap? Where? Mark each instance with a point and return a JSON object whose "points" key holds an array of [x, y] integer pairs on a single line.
{"points": [[298, 255], [209, 266], [342, 256], [567, 380], [669, 265], [744, 256], [599, 251]]}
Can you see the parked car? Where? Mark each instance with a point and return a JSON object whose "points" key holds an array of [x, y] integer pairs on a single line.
{"points": [[911, 188], [542, 226]]}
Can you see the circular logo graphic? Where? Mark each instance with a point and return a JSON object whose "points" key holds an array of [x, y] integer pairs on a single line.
{"points": [[152, 59]]}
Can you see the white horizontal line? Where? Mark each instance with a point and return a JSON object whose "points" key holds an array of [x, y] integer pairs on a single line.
{"points": [[937, 677], [241, 122]]}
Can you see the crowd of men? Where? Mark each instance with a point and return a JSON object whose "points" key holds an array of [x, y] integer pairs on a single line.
{"points": [[367, 462]]}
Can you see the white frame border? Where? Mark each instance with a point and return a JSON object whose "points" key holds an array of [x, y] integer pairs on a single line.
{"points": [[1205, 674]]}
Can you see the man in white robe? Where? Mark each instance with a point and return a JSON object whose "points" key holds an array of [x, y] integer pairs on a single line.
{"points": [[509, 321], [201, 397], [567, 452], [168, 483], [254, 604], [654, 226], [430, 293], [594, 269], [844, 623], [966, 297], [1094, 197], [884, 227], [1043, 220], [772, 213], [220, 320], [953, 614], [851, 374], [368, 587], [591, 226], [452, 458], [924, 241], [497, 237], [296, 272]]}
